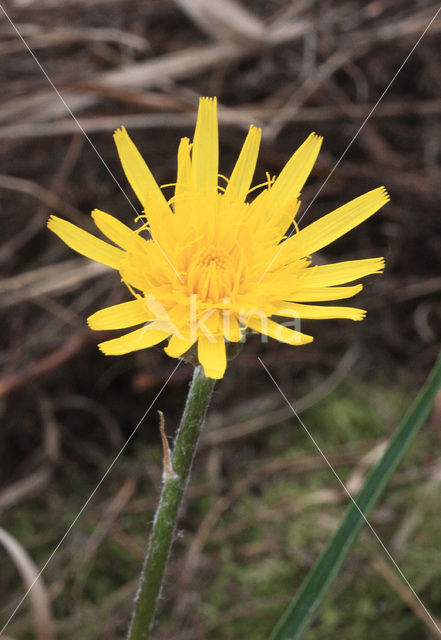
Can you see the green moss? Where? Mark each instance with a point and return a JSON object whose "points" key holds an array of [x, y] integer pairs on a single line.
{"points": [[262, 546]]}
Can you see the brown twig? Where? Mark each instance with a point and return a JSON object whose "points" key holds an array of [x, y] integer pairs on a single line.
{"points": [[45, 365], [404, 593], [39, 600], [50, 199]]}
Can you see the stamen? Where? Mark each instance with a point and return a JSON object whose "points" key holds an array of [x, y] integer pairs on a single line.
{"points": [[263, 184], [269, 179], [211, 273], [141, 216]]}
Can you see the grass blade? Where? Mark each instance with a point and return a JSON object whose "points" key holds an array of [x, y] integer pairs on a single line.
{"points": [[313, 590]]}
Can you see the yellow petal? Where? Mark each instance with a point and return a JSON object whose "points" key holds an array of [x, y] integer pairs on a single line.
{"points": [[178, 346], [205, 154], [209, 323], [118, 232], [328, 275], [132, 274], [326, 293], [212, 356], [120, 316], [184, 174], [140, 339], [240, 180], [335, 224], [315, 312], [85, 243], [293, 176], [139, 175], [231, 328], [278, 331]]}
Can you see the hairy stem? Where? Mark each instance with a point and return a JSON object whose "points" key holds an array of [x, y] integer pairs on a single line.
{"points": [[176, 478]]}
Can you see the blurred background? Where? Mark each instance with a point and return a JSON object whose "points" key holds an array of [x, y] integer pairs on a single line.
{"points": [[262, 503]]}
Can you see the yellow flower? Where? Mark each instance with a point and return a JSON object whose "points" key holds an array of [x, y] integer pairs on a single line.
{"points": [[214, 265]]}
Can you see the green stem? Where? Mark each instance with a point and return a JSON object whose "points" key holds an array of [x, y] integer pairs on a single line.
{"points": [[317, 584], [166, 517]]}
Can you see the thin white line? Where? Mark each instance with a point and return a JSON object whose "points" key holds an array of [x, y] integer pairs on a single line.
{"points": [[349, 494], [82, 130], [89, 499], [355, 136]]}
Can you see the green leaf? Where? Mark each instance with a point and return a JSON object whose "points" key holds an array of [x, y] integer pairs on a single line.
{"points": [[316, 585]]}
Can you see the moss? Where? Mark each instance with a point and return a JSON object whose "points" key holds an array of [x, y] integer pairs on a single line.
{"points": [[263, 545]]}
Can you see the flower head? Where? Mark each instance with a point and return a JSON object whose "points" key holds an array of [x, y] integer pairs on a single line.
{"points": [[206, 265]]}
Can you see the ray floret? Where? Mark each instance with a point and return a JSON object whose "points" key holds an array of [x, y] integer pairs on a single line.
{"points": [[215, 262]]}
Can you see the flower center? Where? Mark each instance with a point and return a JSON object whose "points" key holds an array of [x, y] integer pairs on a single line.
{"points": [[211, 274], [214, 256]]}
